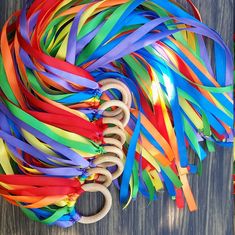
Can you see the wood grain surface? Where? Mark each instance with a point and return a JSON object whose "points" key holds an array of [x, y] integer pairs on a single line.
{"points": [[213, 190]]}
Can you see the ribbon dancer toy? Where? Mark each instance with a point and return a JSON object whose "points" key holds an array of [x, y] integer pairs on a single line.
{"points": [[98, 91]]}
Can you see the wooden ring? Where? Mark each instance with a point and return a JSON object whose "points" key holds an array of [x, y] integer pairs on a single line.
{"points": [[107, 86], [115, 150], [110, 163], [119, 116], [113, 121], [93, 187], [114, 142], [114, 160], [115, 131], [116, 103], [126, 95], [123, 85], [107, 179]]}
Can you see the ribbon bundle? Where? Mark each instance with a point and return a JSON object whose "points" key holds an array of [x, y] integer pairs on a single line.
{"points": [[92, 90]]}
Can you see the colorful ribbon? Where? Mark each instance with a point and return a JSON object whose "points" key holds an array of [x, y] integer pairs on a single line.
{"points": [[83, 81]]}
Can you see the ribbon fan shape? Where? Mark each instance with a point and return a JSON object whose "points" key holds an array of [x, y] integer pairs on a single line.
{"points": [[95, 92]]}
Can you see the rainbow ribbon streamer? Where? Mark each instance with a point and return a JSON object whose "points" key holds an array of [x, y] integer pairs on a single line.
{"points": [[98, 91]]}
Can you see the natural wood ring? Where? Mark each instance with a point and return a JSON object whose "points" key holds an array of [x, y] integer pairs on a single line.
{"points": [[114, 160], [93, 187], [106, 180], [110, 163], [113, 141], [115, 131], [115, 150], [123, 85], [116, 86], [116, 103], [113, 121]]}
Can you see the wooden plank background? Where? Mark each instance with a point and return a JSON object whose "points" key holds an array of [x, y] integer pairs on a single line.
{"points": [[212, 190]]}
